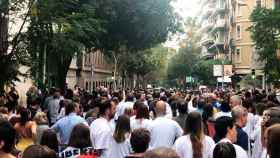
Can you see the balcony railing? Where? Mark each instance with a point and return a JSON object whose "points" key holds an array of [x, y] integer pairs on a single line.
{"points": [[220, 25], [207, 40], [220, 8], [207, 11], [207, 26], [220, 40]]}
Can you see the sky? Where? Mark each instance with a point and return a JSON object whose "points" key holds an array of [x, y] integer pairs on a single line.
{"points": [[186, 8]]}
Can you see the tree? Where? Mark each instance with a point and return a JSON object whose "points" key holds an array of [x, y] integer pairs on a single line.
{"points": [[203, 71], [133, 26], [58, 31], [265, 33], [182, 63], [147, 65], [10, 59]]}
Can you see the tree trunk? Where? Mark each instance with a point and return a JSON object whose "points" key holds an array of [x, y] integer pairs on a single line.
{"points": [[61, 74], [4, 27], [3, 35], [115, 70]]}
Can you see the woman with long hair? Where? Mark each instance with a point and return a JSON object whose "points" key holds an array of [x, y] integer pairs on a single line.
{"points": [[7, 139], [38, 151], [79, 143], [141, 119], [26, 130], [224, 150], [273, 140], [49, 139], [42, 122], [194, 144], [120, 146]]}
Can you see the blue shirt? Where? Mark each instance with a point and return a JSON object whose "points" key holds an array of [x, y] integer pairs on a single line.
{"points": [[242, 138], [65, 125]]}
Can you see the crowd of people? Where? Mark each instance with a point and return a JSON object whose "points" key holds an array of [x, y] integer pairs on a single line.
{"points": [[140, 123]]}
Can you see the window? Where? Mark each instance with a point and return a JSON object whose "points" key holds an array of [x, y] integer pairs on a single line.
{"points": [[258, 3], [238, 10], [238, 32], [86, 85], [238, 55], [89, 88]]}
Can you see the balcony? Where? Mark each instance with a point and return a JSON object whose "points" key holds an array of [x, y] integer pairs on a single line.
{"points": [[220, 8], [219, 41], [205, 53], [220, 25], [207, 11], [207, 26], [206, 40]]}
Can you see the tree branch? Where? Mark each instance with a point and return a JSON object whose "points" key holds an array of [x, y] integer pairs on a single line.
{"points": [[15, 41]]}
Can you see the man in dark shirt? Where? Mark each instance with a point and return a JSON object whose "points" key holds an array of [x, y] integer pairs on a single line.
{"points": [[183, 113], [239, 115]]}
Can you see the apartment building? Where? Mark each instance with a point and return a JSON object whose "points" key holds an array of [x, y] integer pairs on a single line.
{"points": [[215, 29], [245, 57], [225, 25], [90, 71]]}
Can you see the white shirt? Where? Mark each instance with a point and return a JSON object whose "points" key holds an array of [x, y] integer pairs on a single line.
{"points": [[183, 146], [71, 152], [257, 147], [264, 154], [250, 125], [100, 135], [164, 131], [168, 111], [240, 152], [190, 107], [122, 106], [120, 150], [139, 123], [221, 113]]}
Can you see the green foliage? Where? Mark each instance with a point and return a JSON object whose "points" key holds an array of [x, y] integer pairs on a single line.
{"points": [[10, 60], [265, 33], [203, 71], [182, 63], [248, 82], [136, 25], [61, 29], [145, 62]]}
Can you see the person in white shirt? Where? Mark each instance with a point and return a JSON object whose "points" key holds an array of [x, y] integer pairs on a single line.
{"points": [[271, 118], [101, 131], [257, 134], [168, 113], [141, 120], [225, 110], [79, 143], [226, 132], [123, 106], [142, 98], [273, 141], [194, 143], [164, 131], [224, 150], [191, 106], [120, 145], [235, 101]]}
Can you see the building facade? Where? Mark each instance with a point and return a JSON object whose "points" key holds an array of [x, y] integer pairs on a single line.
{"points": [[225, 25], [90, 71], [216, 29]]}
